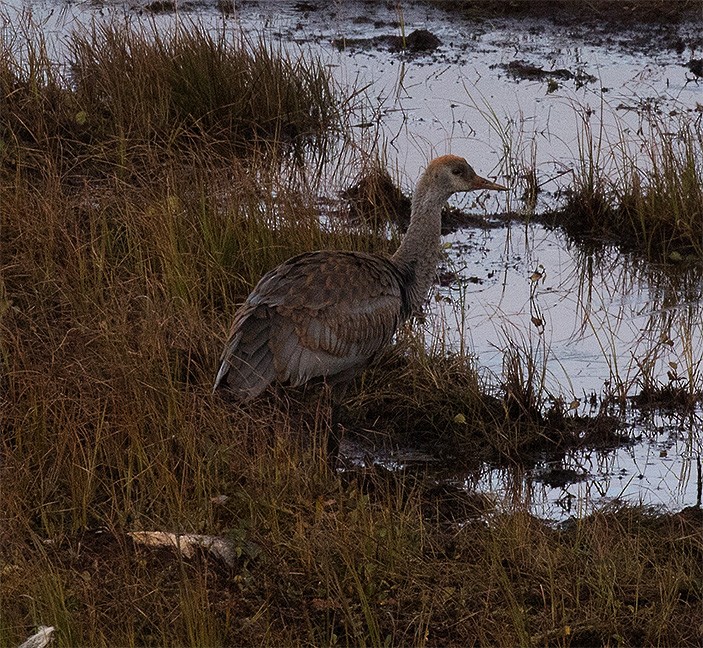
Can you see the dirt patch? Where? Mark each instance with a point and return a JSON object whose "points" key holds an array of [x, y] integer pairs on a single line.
{"points": [[615, 12], [419, 41], [521, 69]]}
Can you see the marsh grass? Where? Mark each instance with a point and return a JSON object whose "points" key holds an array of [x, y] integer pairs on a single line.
{"points": [[651, 206], [125, 90], [640, 188], [129, 233], [665, 355], [632, 205], [356, 570]]}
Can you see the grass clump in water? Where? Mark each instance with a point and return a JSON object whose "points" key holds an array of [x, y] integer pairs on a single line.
{"points": [[128, 88], [656, 212]]}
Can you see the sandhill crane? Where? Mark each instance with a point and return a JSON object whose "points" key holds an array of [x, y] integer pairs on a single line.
{"points": [[325, 314]]}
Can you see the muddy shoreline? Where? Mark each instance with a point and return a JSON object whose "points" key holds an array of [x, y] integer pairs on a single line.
{"points": [[646, 26]]}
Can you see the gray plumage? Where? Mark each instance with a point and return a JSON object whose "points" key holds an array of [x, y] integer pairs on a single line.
{"points": [[326, 314]]}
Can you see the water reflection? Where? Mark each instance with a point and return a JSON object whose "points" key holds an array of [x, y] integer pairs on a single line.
{"points": [[593, 321], [661, 471], [660, 468]]}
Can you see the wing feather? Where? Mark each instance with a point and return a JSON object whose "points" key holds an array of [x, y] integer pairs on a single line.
{"points": [[318, 314]]}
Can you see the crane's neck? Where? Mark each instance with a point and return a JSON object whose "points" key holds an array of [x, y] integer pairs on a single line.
{"points": [[419, 250]]}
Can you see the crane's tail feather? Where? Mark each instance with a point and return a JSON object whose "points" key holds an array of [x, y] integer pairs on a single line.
{"points": [[247, 367]]}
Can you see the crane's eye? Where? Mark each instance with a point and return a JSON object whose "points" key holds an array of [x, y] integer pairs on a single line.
{"points": [[456, 171]]}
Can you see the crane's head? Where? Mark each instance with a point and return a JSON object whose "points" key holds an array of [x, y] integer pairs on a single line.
{"points": [[451, 174]]}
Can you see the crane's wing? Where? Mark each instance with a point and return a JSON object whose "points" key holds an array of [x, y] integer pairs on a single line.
{"points": [[318, 314]]}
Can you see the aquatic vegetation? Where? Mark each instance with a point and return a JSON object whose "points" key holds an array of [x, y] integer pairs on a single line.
{"points": [[654, 208]]}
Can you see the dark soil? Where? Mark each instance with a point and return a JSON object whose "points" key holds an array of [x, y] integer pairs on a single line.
{"points": [[418, 41], [614, 12], [521, 69]]}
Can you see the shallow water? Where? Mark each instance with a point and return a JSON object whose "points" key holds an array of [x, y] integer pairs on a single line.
{"points": [[591, 324], [660, 468]]}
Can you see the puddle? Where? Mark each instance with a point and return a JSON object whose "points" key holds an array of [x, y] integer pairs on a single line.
{"points": [[591, 325], [660, 469]]}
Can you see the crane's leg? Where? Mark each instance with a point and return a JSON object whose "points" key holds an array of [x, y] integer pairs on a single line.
{"points": [[333, 396], [334, 438]]}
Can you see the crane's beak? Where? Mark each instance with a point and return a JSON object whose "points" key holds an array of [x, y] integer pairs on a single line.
{"points": [[482, 183]]}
